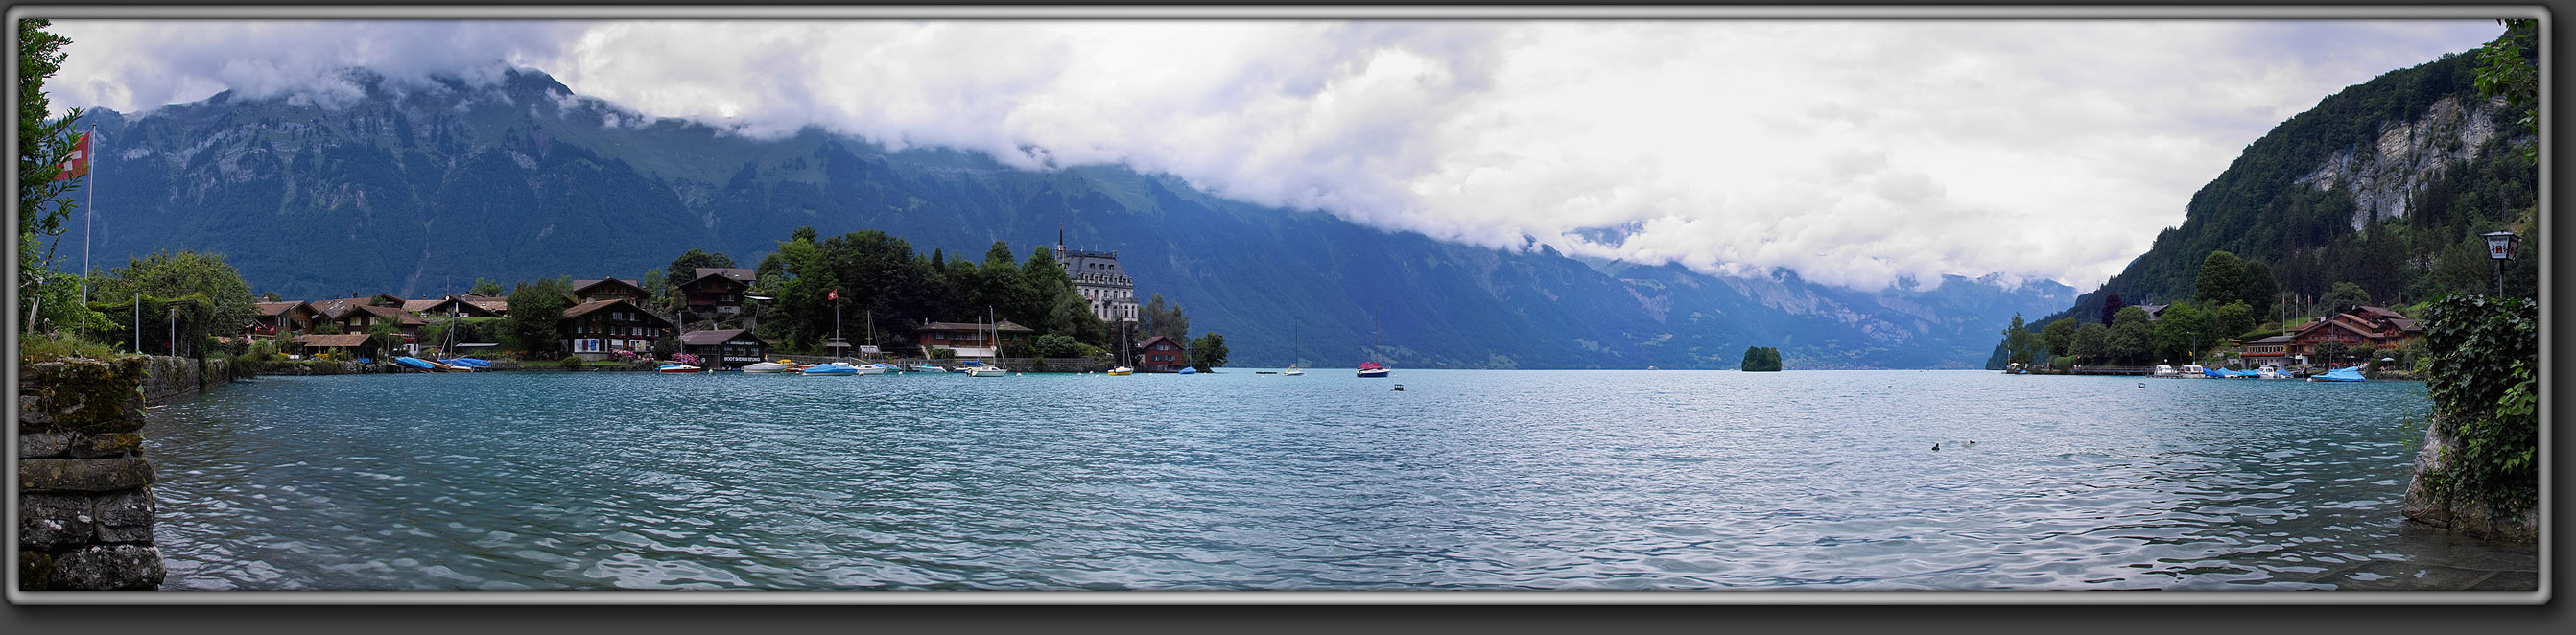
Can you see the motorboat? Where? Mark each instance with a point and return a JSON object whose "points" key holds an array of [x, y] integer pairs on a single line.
{"points": [[980, 370], [679, 368], [2195, 370], [769, 367], [870, 369], [2166, 371], [925, 368], [1185, 370], [416, 362], [1372, 369], [2347, 373], [830, 368], [1122, 371]]}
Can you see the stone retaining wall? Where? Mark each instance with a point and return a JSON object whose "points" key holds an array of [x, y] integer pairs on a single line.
{"points": [[85, 507]]}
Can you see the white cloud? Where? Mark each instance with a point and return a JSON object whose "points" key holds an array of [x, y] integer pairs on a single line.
{"points": [[1852, 152]]}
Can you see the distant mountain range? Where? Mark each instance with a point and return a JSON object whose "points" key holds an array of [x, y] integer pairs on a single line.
{"points": [[419, 191]]}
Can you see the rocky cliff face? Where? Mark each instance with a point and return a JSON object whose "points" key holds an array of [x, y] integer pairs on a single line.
{"points": [[2382, 175]]}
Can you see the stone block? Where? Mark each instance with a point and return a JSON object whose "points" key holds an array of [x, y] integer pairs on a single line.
{"points": [[44, 444], [108, 568], [124, 516], [35, 570], [55, 521], [82, 475], [106, 444], [82, 395]]}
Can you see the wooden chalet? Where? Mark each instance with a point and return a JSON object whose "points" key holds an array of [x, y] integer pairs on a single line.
{"points": [[717, 291], [274, 318], [724, 348], [2364, 327], [970, 339], [1161, 355], [461, 305], [597, 329], [357, 345], [356, 315], [607, 289]]}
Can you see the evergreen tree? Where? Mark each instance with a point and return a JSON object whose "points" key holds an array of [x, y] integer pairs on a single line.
{"points": [[2221, 280]]}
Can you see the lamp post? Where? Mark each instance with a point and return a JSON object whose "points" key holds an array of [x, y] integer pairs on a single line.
{"points": [[2500, 247]]}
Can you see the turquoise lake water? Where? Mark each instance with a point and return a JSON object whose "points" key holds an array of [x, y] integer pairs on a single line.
{"points": [[1464, 480]]}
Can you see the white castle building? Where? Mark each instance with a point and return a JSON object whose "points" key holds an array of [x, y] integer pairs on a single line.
{"points": [[1097, 277]]}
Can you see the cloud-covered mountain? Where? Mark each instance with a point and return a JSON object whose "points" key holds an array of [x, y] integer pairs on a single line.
{"points": [[418, 188]]}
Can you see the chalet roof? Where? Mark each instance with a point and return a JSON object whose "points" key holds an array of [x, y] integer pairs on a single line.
{"points": [[1149, 343], [345, 340], [274, 309], [712, 338], [399, 316], [579, 286], [745, 276], [334, 307], [1006, 325], [2403, 324], [2381, 312], [2276, 339], [587, 308], [417, 306], [495, 306]]}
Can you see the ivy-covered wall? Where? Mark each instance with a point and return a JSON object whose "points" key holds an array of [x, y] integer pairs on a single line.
{"points": [[2478, 473]]}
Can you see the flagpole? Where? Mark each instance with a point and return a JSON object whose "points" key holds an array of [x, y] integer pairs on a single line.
{"points": [[89, 210]]}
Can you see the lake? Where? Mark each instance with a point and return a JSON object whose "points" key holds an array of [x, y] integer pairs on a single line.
{"points": [[1466, 479]]}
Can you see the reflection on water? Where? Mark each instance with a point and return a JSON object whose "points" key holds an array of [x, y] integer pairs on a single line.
{"points": [[1466, 479]]}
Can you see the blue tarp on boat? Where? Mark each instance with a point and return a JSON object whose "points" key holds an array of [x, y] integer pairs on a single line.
{"points": [[469, 361], [415, 362], [2347, 373]]}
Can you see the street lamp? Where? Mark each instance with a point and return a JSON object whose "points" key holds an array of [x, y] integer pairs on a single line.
{"points": [[2500, 246]]}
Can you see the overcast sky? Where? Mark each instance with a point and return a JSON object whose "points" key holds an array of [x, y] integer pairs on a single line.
{"points": [[1852, 152]]}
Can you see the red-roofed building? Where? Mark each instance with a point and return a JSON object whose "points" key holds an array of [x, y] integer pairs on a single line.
{"points": [[1161, 355], [2365, 327]]}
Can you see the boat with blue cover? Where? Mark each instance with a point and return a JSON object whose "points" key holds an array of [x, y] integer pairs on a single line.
{"points": [[831, 368], [2347, 373]]}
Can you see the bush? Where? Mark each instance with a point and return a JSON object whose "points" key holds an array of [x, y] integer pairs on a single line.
{"points": [[44, 347], [2484, 389], [2062, 361], [569, 362], [943, 353]]}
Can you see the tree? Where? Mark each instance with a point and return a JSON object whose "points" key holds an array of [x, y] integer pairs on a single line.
{"points": [[2111, 308], [536, 313], [2344, 297], [2132, 340], [43, 146], [1058, 346], [2261, 292], [1207, 352], [2509, 67], [168, 275], [2093, 342], [1157, 318], [2233, 320], [2060, 336], [2020, 344], [2184, 330], [685, 268], [2221, 280], [1760, 359], [487, 288]]}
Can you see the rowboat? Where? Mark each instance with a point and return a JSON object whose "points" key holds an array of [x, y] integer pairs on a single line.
{"points": [[679, 368]]}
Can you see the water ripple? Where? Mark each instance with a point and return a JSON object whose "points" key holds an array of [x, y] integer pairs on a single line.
{"points": [[1468, 479]]}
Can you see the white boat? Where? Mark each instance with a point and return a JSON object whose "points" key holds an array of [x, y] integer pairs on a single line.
{"points": [[1295, 348], [769, 367], [926, 368], [1122, 370], [679, 368], [1372, 369], [2165, 371], [986, 371], [2192, 370], [870, 369]]}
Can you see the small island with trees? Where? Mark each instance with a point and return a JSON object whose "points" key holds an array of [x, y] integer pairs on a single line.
{"points": [[1761, 359]]}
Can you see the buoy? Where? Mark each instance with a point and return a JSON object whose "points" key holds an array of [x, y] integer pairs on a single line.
{"points": [[2142, 385]]}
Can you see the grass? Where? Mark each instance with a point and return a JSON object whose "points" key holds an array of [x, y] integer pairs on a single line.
{"points": [[45, 348]]}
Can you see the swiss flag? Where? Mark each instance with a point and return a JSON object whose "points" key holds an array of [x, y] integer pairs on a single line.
{"points": [[78, 164], [834, 295]]}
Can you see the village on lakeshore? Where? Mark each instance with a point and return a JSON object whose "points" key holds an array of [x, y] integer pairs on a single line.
{"points": [[862, 300]]}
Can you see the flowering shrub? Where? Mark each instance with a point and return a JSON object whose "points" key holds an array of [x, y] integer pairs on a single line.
{"points": [[686, 358]]}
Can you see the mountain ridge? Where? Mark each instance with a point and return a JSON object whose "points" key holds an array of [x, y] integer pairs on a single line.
{"points": [[421, 189]]}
